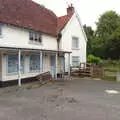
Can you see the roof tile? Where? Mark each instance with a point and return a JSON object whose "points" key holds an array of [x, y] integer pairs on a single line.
{"points": [[28, 14]]}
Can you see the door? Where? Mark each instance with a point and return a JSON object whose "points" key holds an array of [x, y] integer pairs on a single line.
{"points": [[62, 64], [53, 66]]}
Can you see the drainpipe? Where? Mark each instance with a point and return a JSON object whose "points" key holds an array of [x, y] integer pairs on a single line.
{"points": [[58, 42], [58, 49]]}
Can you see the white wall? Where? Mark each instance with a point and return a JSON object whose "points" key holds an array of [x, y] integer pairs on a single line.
{"points": [[19, 37], [73, 28]]}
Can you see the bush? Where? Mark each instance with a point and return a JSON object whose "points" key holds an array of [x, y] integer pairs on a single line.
{"points": [[94, 59]]}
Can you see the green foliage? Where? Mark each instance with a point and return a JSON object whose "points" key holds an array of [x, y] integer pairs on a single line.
{"points": [[90, 36], [108, 35], [105, 41], [94, 59]]}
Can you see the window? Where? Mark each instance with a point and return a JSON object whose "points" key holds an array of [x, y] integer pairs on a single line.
{"points": [[34, 62], [75, 61], [31, 36], [75, 42], [13, 63], [35, 37], [0, 29]]}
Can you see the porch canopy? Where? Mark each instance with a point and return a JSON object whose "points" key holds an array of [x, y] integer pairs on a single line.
{"points": [[40, 51], [33, 49]]}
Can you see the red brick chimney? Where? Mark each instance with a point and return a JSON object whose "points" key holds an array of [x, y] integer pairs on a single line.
{"points": [[70, 10]]}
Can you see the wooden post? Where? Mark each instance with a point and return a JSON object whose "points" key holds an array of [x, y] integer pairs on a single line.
{"points": [[91, 70], [56, 65], [19, 68], [64, 64]]}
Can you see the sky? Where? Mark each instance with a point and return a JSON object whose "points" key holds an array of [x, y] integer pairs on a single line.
{"points": [[88, 10]]}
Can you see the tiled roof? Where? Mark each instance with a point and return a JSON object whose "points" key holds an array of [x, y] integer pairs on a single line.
{"points": [[30, 15], [62, 21]]}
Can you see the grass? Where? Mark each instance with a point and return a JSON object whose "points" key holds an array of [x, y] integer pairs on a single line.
{"points": [[110, 70], [109, 78]]}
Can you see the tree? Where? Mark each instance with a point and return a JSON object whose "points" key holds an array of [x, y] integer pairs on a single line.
{"points": [[90, 35], [107, 36], [113, 47]]}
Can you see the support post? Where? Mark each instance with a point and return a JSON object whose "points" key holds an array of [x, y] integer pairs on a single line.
{"points": [[56, 65], [63, 67], [69, 65], [41, 61], [19, 68], [2, 65], [64, 63]]}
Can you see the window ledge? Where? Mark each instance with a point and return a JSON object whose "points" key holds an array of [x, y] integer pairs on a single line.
{"points": [[35, 43], [75, 48], [14, 73], [34, 71]]}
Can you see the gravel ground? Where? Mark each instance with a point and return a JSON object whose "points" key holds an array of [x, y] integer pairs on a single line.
{"points": [[78, 99]]}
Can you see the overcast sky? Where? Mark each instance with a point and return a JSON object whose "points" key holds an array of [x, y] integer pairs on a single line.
{"points": [[89, 10]]}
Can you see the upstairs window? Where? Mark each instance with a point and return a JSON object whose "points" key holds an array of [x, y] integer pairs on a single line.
{"points": [[31, 36], [0, 29], [75, 43], [35, 37]]}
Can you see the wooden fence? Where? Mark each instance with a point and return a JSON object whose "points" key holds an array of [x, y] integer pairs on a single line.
{"points": [[88, 70]]}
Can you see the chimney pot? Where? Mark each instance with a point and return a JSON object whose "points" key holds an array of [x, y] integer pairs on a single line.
{"points": [[70, 10]]}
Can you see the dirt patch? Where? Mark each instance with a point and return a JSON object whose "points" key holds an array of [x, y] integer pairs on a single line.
{"points": [[52, 98], [71, 100]]}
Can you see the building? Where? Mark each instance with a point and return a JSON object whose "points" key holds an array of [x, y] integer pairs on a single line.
{"points": [[34, 40]]}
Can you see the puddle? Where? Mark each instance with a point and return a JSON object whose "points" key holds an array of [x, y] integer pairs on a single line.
{"points": [[112, 91]]}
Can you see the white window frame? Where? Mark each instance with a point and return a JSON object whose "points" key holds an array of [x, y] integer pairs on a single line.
{"points": [[75, 45], [77, 60], [31, 56], [22, 65], [35, 37]]}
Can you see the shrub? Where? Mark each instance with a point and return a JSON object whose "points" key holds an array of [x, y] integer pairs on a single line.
{"points": [[94, 59]]}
